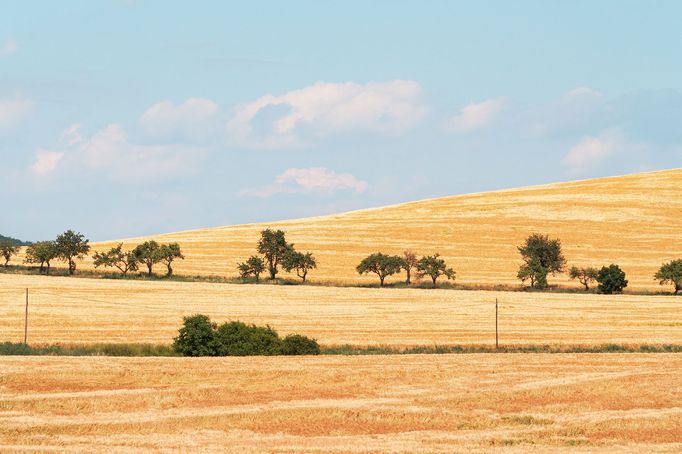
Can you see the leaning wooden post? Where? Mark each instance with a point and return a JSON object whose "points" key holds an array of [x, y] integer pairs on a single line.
{"points": [[26, 320], [497, 335]]}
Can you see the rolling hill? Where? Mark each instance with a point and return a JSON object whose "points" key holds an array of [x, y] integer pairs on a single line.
{"points": [[633, 220]]}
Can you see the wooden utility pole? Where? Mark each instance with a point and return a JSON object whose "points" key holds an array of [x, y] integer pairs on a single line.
{"points": [[497, 335], [26, 320]]}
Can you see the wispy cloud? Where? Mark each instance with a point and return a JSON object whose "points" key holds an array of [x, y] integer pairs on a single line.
{"points": [[591, 150], [8, 48], [477, 115], [324, 109], [307, 180], [46, 162], [194, 120], [13, 111], [110, 152]]}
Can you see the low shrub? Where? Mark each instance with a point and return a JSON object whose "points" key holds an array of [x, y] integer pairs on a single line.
{"points": [[11, 348], [197, 337], [296, 344], [200, 337], [240, 339]]}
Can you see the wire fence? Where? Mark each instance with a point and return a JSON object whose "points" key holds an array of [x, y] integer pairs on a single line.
{"points": [[510, 312]]}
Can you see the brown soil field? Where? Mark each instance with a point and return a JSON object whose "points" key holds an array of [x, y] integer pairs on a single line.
{"points": [[403, 404], [69, 310], [631, 220]]}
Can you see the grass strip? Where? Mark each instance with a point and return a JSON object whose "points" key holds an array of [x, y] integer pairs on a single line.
{"points": [[165, 350]]}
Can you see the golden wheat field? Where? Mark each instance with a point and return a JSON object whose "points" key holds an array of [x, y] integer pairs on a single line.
{"points": [[631, 220], [411, 403], [71, 310]]}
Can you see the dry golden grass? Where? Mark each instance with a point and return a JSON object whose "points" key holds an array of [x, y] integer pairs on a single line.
{"points": [[414, 403], [97, 310], [632, 220]]}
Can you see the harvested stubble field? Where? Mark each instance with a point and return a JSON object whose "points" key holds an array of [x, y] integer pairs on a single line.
{"points": [[69, 310], [632, 220], [413, 403]]}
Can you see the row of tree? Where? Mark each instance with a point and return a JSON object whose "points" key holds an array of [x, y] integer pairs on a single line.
{"points": [[71, 246], [384, 265], [146, 254], [543, 256], [67, 247], [276, 252]]}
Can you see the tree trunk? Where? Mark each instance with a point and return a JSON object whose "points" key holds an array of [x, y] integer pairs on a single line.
{"points": [[305, 273], [381, 280], [170, 270], [48, 267], [42, 267], [149, 268], [72, 266], [434, 281], [678, 287], [257, 278]]}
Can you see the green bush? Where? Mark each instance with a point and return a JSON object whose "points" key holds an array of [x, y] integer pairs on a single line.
{"points": [[295, 344], [240, 339], [11, 348], [200, 337], [611, 279], [197, 337]]}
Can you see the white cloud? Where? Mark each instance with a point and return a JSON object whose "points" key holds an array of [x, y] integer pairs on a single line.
{"points": [[110, 150], [592, 150], [312, 179], [477, 115], [324, 109], [46, 162], [8, 48], [110, 153], [72, 134], [581, 94], [194, 120], [13, 111]]}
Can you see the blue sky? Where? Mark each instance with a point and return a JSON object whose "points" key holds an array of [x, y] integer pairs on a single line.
{"points": [[125, 118]]}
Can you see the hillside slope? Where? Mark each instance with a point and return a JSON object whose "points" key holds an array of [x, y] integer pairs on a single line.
{"points": [[633, 220]]}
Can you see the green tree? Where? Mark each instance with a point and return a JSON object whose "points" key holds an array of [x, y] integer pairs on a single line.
{"points": [[584, 275], [434, 267], [7, 250], [253, 266], [671, 273], [147, 253], [116, 257], [166, 253], [70, 246], [611, 279], [409, 262], [197, 337], [380, 264], [298, 261], [273, 246], [533, 272], [541, 256], [42, 253]]}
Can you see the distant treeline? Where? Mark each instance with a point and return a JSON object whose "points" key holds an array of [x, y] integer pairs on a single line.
{"points": [[13, 241], [541, 256]]}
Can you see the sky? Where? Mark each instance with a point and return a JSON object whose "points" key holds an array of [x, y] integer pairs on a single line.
{"points": [[128, 118]]}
